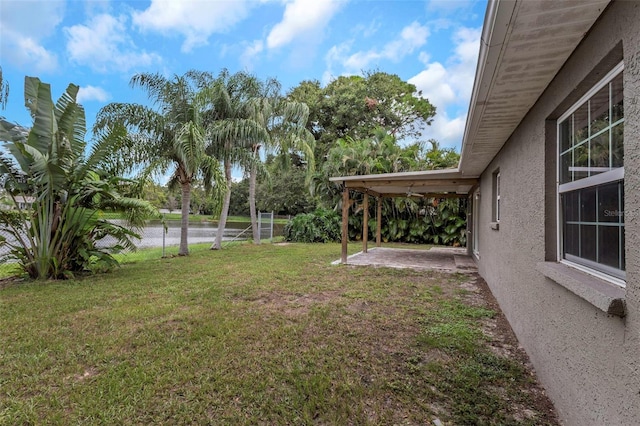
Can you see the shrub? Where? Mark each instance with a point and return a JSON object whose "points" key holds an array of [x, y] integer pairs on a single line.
{"points": [[321, 226], [63, 231]]}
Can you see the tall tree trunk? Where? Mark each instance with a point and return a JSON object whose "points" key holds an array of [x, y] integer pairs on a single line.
{"points": [[184, 225], [222, 223], [253, 177]]}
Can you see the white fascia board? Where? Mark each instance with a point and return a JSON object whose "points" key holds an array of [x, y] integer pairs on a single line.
{"points": [[496, 30]]}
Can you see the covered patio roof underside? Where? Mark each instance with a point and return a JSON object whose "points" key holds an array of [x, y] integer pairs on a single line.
{"points": [[430, 183]]}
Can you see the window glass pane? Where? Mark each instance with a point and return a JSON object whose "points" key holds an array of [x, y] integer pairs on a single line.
{"points": [[609, 203], [565, 174], [599, 155], [609, 246], [599, 106], [588, 205], [621, 186], [588, 242], [617, 99], [580, 166], [570, 203], [581, 123], [617, 146], [572, 239], [623, 265], [564, 133]]}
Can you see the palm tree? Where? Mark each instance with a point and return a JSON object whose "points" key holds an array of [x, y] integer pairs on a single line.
{"points": [[169, 139], [59, 234], [230, 128], [285, 125]]}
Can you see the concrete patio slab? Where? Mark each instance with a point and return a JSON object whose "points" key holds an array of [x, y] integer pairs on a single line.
{"points": [[447, 259]]}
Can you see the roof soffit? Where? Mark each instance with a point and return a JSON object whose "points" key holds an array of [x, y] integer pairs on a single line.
{"points": [[524, 45]]}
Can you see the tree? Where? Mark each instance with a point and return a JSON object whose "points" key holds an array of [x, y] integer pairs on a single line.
{"points": [[169, 139], [239, 205], [440, 158], [231, 129], [285, 124], [286, 192], [59, 235], [155, 194], [356, 106]]}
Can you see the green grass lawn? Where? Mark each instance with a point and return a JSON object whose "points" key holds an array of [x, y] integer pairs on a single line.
{"points": [[269, 334]]}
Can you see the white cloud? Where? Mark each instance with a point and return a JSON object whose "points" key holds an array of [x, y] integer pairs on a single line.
{"points": [[92, 93], [449, 86], [410, 38], [335, 55], [195, 20], [29, 53], [302, 18], [22, 32], [448, 131], [435, 84], [424, 57], [250, 52], [367, 30], [33, 19], [103, 44]]}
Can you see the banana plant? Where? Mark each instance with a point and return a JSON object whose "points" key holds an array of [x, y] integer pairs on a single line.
{"points": [[62, 232]]}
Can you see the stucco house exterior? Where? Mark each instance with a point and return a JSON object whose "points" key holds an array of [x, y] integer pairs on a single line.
{"points": [[551, 165]]}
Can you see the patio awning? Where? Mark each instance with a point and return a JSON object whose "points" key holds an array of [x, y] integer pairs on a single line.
{"points": [[429, 183]]}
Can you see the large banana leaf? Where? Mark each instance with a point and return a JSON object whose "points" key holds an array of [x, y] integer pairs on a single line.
{"points": [[38, 100]]}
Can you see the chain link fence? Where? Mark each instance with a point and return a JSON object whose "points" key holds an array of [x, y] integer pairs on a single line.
{"points": [[4, 236], [156, 235]]}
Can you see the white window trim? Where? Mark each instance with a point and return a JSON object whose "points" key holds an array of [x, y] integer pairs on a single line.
{"points": [[610, 176], [601, 275], [599, 85], [475, 222], [497, 197], [599, 179]]}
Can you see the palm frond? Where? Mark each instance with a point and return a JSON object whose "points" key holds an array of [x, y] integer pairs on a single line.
{"points": [[189, 146], [12, 132], [136, 118], [153, 84]]}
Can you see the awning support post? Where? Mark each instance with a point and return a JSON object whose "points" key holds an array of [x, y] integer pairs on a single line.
{"points": [[345, 222], [365, 223], [378, 221]]}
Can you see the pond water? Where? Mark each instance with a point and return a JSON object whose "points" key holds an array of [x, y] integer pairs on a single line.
{"points": [[200, 232]]}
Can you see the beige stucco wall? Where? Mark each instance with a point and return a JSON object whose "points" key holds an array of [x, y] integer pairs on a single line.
{"points": [[588, 361]]}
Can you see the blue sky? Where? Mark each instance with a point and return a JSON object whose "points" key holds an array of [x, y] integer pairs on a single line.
{"points": [[100, 44]]}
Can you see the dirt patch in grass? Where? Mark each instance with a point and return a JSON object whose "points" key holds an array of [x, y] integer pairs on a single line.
{"points": [[10, 281], [503, 342], [409, 381]]}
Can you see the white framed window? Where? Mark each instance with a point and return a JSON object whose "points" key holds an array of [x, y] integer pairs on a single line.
{"points": [[591, 181], [496, 197], [475, 224]]}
